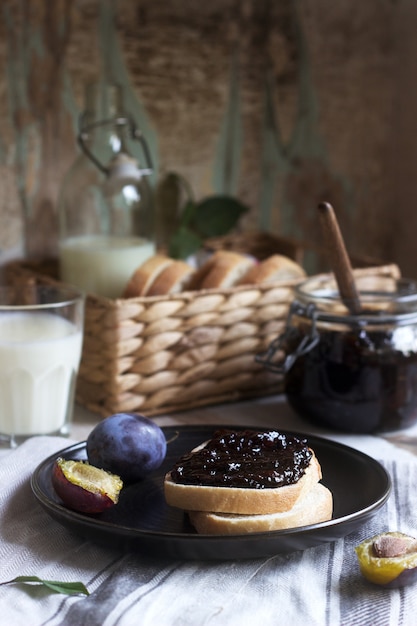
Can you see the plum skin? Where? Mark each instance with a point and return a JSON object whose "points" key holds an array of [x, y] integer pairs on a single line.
{"points": [[84, 488], [127, 444]]}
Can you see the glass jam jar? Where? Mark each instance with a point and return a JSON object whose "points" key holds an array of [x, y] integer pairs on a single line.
{"points": [[353, 373]]}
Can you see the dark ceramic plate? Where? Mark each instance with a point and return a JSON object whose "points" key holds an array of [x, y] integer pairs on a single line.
{"points": [[143, 521]]}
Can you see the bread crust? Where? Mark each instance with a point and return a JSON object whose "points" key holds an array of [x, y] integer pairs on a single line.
{"points": [[241, 500], [161, 275], [275, 267], [314, 507], [145, 275], [173, 279], [222, 270]]}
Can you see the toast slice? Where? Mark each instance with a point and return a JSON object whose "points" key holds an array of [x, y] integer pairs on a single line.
{"points": [[241, 500], [232, 473], [313, 507]]}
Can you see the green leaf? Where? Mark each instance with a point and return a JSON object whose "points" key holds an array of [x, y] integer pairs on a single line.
{"points": [[71, 589], [217, 215], [184, 242]]}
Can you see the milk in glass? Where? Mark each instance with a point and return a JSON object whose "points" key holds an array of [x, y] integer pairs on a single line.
{"points": [[39, 358]]}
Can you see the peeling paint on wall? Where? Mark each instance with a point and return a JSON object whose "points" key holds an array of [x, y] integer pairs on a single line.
{"points": [[306, 111], [296, 173], [34, 76], [227, 161]]}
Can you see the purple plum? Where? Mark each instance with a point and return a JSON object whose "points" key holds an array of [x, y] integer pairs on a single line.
{"points": [[83, 487], [127, 444]]}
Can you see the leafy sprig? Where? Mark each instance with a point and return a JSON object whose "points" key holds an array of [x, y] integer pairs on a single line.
{"points": [[71, 589], [214, 216], [196, 221]]}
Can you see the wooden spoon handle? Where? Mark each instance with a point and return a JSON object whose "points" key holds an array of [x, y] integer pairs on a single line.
{"points": [[339, 258]]}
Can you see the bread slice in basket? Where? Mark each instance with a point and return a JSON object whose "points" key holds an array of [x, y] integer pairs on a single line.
{"points": [[256, 481], [276, 267], [145, 275]]}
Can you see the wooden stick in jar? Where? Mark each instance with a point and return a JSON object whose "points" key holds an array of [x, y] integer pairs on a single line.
{"points": [[339, 258]]}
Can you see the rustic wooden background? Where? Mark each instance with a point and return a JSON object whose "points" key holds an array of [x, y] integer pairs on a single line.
{"points": [[282, 103]]}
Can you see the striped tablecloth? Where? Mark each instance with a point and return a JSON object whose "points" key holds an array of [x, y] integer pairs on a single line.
{"points": [[320, 586]]}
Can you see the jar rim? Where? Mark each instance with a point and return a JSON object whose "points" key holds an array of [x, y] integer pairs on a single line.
{"points": [[383, 299]]}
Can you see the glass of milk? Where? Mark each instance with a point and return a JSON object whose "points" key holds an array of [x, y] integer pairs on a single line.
{"points": [[41, 331]]}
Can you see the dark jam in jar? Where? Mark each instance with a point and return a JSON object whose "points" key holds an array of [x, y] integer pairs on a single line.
{"points": [[352, 372], [355, 381], [248, 459]]}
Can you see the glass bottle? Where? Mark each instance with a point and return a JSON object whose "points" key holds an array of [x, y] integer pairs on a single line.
{"points": [[107, 225]]}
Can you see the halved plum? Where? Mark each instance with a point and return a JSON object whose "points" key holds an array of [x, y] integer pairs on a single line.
{"points": [[389, 559], [84, 487]]}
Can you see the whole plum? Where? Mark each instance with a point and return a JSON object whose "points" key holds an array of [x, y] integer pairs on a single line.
{"points": [[127, 444]]}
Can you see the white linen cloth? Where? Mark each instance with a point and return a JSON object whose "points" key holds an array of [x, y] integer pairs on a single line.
{"points": [[320, 586]]}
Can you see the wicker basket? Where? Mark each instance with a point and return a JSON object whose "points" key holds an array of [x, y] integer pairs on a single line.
{"points": [[168, 353]]}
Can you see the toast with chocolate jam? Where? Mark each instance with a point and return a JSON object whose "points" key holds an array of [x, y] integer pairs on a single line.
{"points": [[249, 481]]}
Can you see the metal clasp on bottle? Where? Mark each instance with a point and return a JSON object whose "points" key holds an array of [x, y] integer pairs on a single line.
{"points": [[287, 341], [119, 121]]}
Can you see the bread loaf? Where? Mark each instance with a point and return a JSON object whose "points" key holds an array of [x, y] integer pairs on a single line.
{"points": [[314, 507]]}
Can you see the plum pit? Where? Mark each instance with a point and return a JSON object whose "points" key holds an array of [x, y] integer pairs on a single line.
{"points": [[389, 559]]}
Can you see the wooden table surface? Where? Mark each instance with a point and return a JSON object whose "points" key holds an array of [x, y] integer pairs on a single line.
{"points": [[270, 412]]}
